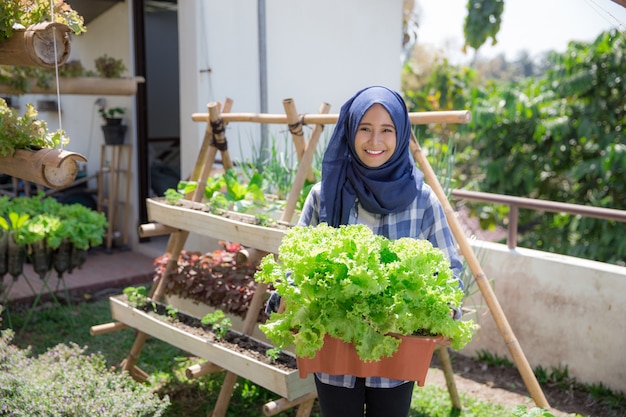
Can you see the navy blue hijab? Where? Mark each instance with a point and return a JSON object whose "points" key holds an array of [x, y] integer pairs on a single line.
{"points": [[389, 188]]}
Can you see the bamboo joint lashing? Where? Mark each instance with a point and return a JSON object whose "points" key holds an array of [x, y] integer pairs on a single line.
{"points": [[218, 126], [296, 128], [221, 145]]}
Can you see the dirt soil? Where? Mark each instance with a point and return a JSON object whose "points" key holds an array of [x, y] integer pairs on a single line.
{"points": [[473, 378]]}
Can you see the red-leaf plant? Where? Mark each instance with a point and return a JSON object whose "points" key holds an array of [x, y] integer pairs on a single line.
{"points": [[213, 278]]}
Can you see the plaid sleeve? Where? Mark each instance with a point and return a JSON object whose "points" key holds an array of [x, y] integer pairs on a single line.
{"points": [[311, 210], [437, 230]]}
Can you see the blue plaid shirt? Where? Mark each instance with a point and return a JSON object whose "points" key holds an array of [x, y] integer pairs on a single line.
{"points": [[423, 219]]}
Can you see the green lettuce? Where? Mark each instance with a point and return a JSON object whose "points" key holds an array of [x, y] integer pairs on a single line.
{"points": [[360, 287]]}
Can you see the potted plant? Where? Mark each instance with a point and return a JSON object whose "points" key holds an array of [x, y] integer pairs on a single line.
{"points": [[109, 67], [113, 129], [349, 287]]}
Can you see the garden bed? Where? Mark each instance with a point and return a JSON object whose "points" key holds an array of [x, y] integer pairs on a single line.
{"points": [[231, 226], [237, 353]]}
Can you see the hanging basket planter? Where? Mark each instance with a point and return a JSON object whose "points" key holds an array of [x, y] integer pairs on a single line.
{"points": [[409, 363], [45, 44], [53, 168]]}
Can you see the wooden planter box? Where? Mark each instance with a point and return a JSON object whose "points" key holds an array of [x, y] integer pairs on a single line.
{"points": [[249, 235], [287, 384], [83, 86]]}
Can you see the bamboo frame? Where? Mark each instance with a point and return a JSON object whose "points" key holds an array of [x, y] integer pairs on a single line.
{"points": [[53, 168], [417, 118], [45, 44], [202, 169]]}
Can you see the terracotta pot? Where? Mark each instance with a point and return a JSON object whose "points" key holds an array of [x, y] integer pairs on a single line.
{"points": [[410, 362]]}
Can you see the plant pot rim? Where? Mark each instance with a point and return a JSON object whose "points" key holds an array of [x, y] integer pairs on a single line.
{"points": [[409, 363]]}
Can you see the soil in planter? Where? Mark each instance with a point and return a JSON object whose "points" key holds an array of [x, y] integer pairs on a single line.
{"points": [[234, 341], [232, 215]]}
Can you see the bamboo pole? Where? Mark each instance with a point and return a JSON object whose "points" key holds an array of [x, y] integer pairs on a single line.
{"points": [[107, 328], [278, 406], [295, 127], [82, 86], [45, 44], [417, 118], [53, 168], [481, 279], [446, 365], [304, 167], [155, 229], [201, 369]]}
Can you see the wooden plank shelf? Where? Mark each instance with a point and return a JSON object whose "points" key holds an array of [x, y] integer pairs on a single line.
{"points": [[287, 384], [259, 237], [82, 86]]}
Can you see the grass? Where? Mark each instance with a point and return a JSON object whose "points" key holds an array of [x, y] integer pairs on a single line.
{"points": [[166, 366]]}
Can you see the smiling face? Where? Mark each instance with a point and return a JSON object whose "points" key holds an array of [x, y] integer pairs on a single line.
{"points": [[375, 139]]}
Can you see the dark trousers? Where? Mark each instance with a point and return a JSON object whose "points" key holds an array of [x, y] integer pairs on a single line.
{"points": [[363, 401]]}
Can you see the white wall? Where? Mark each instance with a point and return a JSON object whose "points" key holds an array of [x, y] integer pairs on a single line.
{"points": [[317, 51], [563, 311]]}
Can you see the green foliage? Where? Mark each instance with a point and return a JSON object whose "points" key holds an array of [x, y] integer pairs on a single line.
{"points": [[557, 137], [111, 112], [219, 322], [20, 78], [359, 287], [66, 381], [523, 411], [493, 359], [560, 138], [273, 353], [482, 22], [109, 67], [136, 296], [30, 12], [26, 132], [172, 196]]}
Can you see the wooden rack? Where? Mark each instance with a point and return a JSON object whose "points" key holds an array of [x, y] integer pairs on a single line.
{"points": [[168, 221]]}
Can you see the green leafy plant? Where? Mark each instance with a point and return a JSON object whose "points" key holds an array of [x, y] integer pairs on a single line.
{"points": [[171, 311], [273, 353], [109, 67], [219, 322], [172, 196], [136, 296], [523, 411], [111, 112], [30, 12], [26, 132], [361, 288], [66, 381]]}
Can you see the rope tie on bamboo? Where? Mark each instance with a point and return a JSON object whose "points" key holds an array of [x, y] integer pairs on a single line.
{"points": [[296, 128], [218, 129]]}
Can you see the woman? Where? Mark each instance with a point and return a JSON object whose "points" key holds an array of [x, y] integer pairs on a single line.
{"points": [[369, 177]]}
